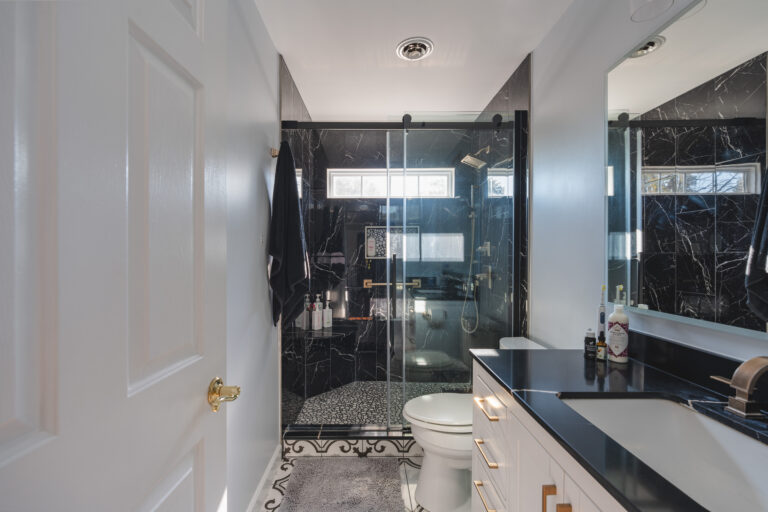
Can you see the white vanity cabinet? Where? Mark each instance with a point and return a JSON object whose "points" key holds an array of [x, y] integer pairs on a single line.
{"points": [[518, 467]]}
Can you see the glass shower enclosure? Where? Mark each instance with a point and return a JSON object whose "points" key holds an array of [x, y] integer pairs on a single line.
{"points": [[413, 242]]}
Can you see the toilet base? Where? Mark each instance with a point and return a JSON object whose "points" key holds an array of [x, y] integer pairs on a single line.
{"points": [[444, 485]]}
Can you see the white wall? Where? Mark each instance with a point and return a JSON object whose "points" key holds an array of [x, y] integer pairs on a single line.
{"points": [[567, 242], [252, 347]]}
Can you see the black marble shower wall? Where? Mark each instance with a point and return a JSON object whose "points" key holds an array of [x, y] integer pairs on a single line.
{"points": [[695, 245], [515, 96]]}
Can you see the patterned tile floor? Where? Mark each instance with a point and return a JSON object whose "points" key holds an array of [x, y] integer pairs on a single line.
{"points": [[272, 496], [365, 402]]}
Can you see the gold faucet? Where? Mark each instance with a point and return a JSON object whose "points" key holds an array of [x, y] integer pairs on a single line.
{"points": [[743, 383]]}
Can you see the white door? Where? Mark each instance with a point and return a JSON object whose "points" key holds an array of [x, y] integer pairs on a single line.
{"points": [[112, 255]]}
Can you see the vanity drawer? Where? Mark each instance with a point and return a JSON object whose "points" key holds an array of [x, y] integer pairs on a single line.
{"points": [[485, 491], [490, 446], [489, 405], [490, 454]]}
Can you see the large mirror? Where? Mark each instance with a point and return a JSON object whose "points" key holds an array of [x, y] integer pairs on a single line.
{"points": [[686, 162]]}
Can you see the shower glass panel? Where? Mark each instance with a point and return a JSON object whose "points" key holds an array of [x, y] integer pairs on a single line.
{"points": [[456, 281], [410, 236]]}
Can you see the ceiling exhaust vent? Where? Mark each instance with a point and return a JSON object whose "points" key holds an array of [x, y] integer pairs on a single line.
{"points": [[648, 47], [414, 48]]}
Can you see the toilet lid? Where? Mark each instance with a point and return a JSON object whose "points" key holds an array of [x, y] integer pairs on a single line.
{"points": [[428, 359], [450, 409]]}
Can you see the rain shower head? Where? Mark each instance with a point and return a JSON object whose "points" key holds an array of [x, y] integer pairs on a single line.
{"points": [[472, 160]]}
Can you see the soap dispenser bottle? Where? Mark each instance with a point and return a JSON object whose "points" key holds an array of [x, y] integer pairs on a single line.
{"points": [[303, 322], [327, 313], [317, 314], [618, 332]]}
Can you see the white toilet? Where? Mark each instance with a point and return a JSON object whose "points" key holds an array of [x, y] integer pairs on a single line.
{"points": [[442, 425]]}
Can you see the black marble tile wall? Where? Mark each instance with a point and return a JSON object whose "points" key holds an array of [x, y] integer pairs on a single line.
{"points": [[514, 95], [695, 245], [316, 361], [690, 363], [335, 236]]}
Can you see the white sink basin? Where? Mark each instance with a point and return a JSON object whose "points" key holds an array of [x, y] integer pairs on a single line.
{"points": [[717, 466]]}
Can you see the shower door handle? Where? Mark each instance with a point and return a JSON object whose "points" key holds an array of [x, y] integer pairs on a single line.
{"points": [[393, 285]]}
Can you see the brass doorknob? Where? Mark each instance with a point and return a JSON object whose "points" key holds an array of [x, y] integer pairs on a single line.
{"points": [[218, 392]]}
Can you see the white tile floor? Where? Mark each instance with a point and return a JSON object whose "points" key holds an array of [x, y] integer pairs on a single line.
{"points": [[409, 477], [272, 495]]}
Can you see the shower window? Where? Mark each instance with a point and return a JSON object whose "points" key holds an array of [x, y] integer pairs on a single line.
{"points": [[500, 182], [442, 247], [372, 183], [721, 179]]}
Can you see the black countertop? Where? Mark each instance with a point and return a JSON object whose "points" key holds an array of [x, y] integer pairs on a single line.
{"points": [[526, 373]]}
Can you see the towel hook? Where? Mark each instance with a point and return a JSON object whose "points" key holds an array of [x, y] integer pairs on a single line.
{"points": [[274, 152]]}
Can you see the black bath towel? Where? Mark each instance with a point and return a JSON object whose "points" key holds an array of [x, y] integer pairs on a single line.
{"points": [[289, 271], [756, 279]]}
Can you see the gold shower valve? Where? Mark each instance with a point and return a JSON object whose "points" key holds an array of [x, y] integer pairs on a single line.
{"points": [[218, 392]]}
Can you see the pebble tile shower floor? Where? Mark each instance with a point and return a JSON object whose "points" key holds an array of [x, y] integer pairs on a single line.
{"points": [[365, 403]]}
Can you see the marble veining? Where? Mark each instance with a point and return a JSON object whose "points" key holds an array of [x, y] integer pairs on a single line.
{"points": [[695, 242]]}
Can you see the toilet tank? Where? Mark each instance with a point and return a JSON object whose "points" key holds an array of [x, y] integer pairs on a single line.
{"points": [[519, 342]]}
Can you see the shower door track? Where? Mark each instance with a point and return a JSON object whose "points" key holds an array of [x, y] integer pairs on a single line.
{"points": [[395, 125]]}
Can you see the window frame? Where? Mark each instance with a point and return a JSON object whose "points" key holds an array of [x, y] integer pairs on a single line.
{"points": [[751, 171], [448, 172], [505, 173]]}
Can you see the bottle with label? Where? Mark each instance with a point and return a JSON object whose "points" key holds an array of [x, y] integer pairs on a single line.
{"points": [[317, 314], [618, 335], [601, 352], [303, 321], [327, 313], [590, 345]]}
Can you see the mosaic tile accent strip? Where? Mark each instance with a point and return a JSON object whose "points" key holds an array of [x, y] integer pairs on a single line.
{"points": [[351, 448], [272, 496]]}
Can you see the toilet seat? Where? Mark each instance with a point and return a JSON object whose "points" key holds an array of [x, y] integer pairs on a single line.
{"points": [[441, 412]]}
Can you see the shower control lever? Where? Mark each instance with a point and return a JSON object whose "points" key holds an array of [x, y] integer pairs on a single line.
{"points": [[485, 249], [488, 274]]}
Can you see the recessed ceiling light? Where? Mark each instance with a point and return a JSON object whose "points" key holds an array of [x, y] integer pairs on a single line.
{"points": [[646, 10], [649, 46], [414, 48]]}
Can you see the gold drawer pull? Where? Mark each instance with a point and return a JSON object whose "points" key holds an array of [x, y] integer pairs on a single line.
{"points": [[547, 490], [479, 401], [491, 465], [478, 485], [564, 507]]}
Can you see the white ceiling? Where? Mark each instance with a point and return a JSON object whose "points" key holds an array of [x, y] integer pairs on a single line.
{"points": [[713, 37], [341, 53]]}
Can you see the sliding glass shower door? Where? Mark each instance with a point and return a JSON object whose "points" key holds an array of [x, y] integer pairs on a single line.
{"points": [[411, 239], [451, 206]]}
